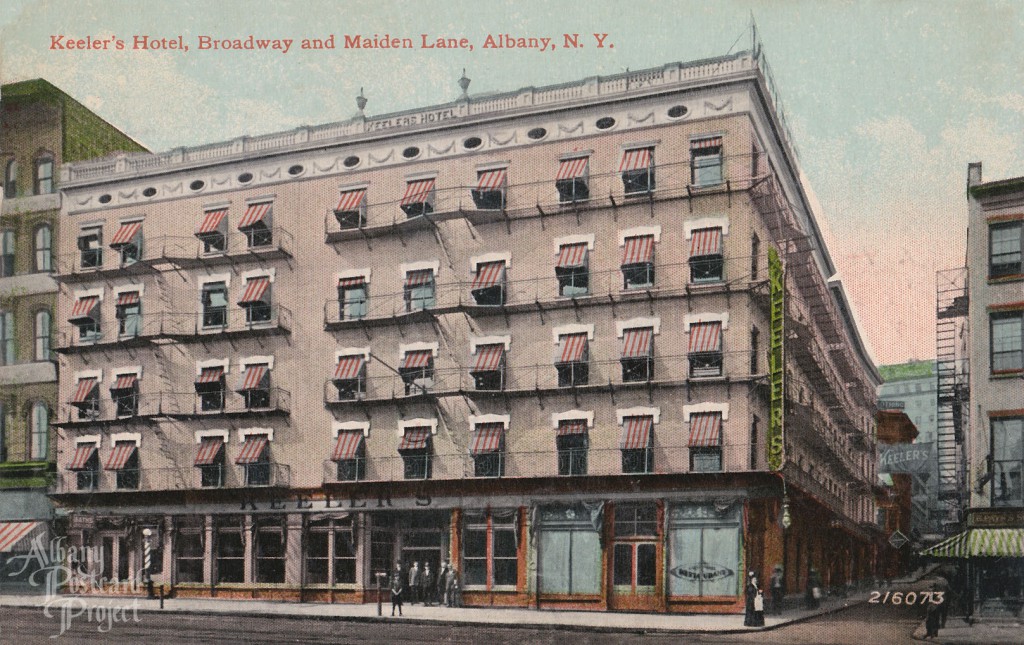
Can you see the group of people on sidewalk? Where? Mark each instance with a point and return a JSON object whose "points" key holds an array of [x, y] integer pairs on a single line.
{"points": [[423, 586], [754, 608]]}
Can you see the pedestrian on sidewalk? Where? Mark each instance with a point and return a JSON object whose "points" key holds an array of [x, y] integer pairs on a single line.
{"points": [[778, 591], [414, 584], [427, 585], [812, 596], [442, 585], [753, 616], [934, 616], [397, 588]]}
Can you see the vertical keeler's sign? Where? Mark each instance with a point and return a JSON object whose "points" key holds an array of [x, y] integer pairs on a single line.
{"points": [[776, 364]]}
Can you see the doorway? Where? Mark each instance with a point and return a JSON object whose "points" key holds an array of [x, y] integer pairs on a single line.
{"points": [[635, 558]]}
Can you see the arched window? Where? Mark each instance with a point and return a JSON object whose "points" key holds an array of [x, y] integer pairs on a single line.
{"points": [[6, 253], [11, 179], [44, 174], [44, 248], [7, 345], [40, 422], [43, 335]]}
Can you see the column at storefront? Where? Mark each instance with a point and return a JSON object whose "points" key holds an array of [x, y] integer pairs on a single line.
{"points": [[705, 556], [293, 550], [208, 551], [570, 554], [166, 538], [248, 568]]}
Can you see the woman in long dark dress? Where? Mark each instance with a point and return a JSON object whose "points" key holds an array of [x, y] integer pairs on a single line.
{"points": [[751, 616]]}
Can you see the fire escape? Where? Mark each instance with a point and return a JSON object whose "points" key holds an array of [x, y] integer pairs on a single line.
{"points": [[952, 368]]}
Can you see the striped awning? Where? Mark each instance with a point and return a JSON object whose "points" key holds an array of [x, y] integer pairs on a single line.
{"points": [[573, 168], [637, 342], [705, 430], [126, 234], [124, 382], [705, 337], [83, 453], [347, 446], [252, 449], [488, 358], [491, 179], [209, 376], [13, 532], [126, 298], [488, 274], [418, 278], [351, 200], [635, 159], [349, 367], [574, 348], [83, 308], [706, 241], [85, 390], [415, 439], [254, 214], [571, 426], [254, 378], [417, 192], [209, 448], [487, 438], [353, 281], [212, 221], [571, 256], [638, 250], [416, 359], [981, 543], [255, 289], [123, 451], [636, 433], [708, 142]]}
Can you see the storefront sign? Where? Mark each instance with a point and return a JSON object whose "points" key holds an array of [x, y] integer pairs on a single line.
{"points": [[995, 517], [905, 458], [776, 365]]}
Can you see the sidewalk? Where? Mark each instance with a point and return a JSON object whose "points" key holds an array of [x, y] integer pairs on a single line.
{"points": [[983, 633], [498, 617]]}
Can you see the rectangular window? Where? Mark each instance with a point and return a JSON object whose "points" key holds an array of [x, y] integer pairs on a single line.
{"points": [[86, 465], [572, 270], [350, 455], [755, 350], [230, 548], [707, 263], [1007, 341], [44, 176], [488, 286], [1005, 246], [704, 551], [419, 290], [705, 349], [755, 442], [189, 549], [487, 447], [124, 460], [257, 224], [6, 253], [269, 549], [637, 354], [86, 398], [572, 443], [416, 448], [127, 242], [212, 475], [210, 389], [90, 248], [214, 299], [637, 168], [255, 386], [572, 360], [11, 179], [490, 548], [8, 350], [322, 538], [128, 312], [491, 186], [569, 546], [353, 298], [706, 161], [255, 461], [417, 370], [636, 528], [489, 369], [636, 444], [350, 377], [256, 300], [571, 181], [125, 395], [419, 197], [638, 262], [706, 442], [212, 231], [755, 254], [1007, 461], [351, 209]]}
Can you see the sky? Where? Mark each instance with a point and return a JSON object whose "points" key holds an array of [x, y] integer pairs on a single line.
{"points": [[887, 101]]}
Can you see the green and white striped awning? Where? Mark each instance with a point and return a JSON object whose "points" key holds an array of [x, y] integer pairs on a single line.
{"points": [[980, 543]]}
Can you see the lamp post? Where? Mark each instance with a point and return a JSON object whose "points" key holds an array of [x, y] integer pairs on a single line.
{"points": [[380, 578], [147, 562]]}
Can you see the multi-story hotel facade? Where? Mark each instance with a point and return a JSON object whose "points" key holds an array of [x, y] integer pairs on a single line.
{"points": [[529, 333]]}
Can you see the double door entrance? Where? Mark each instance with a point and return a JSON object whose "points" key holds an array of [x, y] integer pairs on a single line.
{"points": [[422, 537]]}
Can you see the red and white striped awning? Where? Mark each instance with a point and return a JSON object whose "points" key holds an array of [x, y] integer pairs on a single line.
{"points": [[488, 274], [573, 168], [706, 429], [635, 159], [419, 277], [636, 433], [252, 449], [124, 382], [416, 359], [353, 281], [489, 358], [83, 307], [571, 426], [212, 221], [415, 439], [706, 241], [126, 234], [255, 289], [209, 448], [83, 453], [84, 390], [708, 142], [123, 450], [637, 342], [705, 337], [574, 347], [254, 214], [351, 200], [347, 446], [209, 376], [491, 179], [417, 192], [128, 298], [486, 438], [349, 367], [638, 250], [571, 256], [254, 378], [13, 532]]}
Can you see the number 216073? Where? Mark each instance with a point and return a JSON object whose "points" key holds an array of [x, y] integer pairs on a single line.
{"points": [[908, 598]]}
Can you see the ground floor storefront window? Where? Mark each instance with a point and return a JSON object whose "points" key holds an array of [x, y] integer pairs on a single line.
{"points": [[704, 550], [269, 548], [490, 547], [1000, 590], [189, 549], [230, 548], [330, 551], [569, 548]]}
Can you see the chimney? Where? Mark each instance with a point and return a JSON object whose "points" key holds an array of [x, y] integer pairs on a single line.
{"points": [[973, 174]]}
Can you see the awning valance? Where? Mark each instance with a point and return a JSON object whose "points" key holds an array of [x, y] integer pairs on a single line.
{"points": [[636, 432], [255, 214], [636, 343], [571, 256], [705, 337], [638, 250], [981, 543], [486, 438], [349, 368], [488, 274], [636, 159], [705, 430], [126, 234], [706, 241], [488, 358], [11, 533], [212, 221], [347, 446], [123, 451], [209, 448], [252, 449], [572, 168]]}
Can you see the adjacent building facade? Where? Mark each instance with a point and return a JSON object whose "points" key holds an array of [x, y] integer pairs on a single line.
{"points": [[581, 341]]}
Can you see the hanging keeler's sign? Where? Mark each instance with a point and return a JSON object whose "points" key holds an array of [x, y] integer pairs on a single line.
{"points": [[776, 366], [905, 458]]}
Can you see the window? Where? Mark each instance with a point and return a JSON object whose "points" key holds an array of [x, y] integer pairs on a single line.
{"points": [[3, 433], [707, 263], [189, 549], [210, 462], [491, 186], [43, 249], [212, 231], [755, 351], [488, 286], [705, 349], [571, 180], [706, 161], [210, 389], [1007, 341], [8, 351], [637, 354], [90, 247], [40, 448], [416, 448], [572, 360], [636, 533], [256, 300], [489, 369], [638, 262], [44, 175], [127, 241], [572, 271], [256, 224], [572, 442], [706, 442], [124, 460], [419, 197], [487, 447], [350, 455], [11, 179], [330, 552], [704, 545], [417, 370], [755, 441], [636, 445], [230, 548], [7, 253], [351, 210], [85, 463], [86, 316], [214, 299], [353, 298], [269, 548], [350, 377], [569, 549], [637, 168], [255, 460], [125, 395], [419, 290], [255, 386], [86, 397], [490, 548], [128, 312], [1005, 246], [1007, 461], [755, 254]]}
